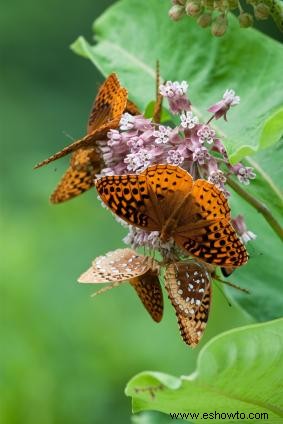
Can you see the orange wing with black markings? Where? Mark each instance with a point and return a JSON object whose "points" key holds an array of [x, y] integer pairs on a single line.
{"points": [[164, 198]]}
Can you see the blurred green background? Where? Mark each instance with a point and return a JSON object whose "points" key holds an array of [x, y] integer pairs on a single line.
{"points": [[65, 357]]}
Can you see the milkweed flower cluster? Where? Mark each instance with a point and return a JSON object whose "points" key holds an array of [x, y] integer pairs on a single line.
{"points": [[214, 13], [191, 144]]}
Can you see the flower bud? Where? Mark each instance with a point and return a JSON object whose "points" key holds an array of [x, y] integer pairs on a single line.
{"points": [[208, 4], [218, 5], [176, 12], [180, 2], [246, 20], [261, 11], [232, 4], [193, 8], [204, 20], [219, 26]]}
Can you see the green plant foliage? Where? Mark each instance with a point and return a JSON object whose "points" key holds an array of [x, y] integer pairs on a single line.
{"points": [[263, 273], [240, 370], [130, 38]]}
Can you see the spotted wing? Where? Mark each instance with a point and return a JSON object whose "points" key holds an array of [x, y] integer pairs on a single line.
{"points": [[102, 110], [148, 199], [213, 203], [108, 118], [79, 177], [116, 266], [189, 289], [148, 288], [216, 243]]}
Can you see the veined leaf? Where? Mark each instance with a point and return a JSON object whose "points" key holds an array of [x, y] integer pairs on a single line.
{"points": [[240, 370]]}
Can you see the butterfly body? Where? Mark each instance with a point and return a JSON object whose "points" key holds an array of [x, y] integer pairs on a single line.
{"points": [[165, 198]]}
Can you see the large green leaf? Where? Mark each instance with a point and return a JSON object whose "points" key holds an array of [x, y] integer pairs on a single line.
{"points": [[240, 370], [131, 35]]}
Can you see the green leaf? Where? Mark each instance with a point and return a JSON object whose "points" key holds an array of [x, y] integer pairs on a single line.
{"points": [[263, 273], [165, 115], [131, 36], [240, 370]]}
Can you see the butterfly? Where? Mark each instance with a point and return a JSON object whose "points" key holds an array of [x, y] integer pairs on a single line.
{"points": [[188, 285], [164, 198], [109, 105], [123, 265]]}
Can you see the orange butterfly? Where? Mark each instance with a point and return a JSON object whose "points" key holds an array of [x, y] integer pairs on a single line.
{"points": [[111, 102], [165, 198], [126, 265], [188, 285]]}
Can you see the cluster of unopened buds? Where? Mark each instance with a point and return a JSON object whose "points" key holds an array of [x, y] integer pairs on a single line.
{"points": [[193, 145], [214, 13]]}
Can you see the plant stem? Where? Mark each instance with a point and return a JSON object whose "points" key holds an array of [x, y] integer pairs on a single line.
{"points": [[259, 206], [267, 179]]}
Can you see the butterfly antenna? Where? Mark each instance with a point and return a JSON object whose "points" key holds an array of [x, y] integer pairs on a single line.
{"points": [[68, 135], [159, 98], [228, 283], [109, 287]]}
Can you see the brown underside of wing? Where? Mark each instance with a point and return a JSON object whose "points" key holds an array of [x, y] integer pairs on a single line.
{"points": [[149, 291], [189, 289], [79, 177]]}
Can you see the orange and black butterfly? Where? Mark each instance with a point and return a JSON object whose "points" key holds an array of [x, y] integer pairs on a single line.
{"points": [[109, 105], [195, 214]]}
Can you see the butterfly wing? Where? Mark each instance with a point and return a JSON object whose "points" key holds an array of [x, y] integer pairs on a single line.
{"points": [[148, 288], [217, 244], [189, 289], [145, 200], [132, 108], [116, 266], [209, 235], [123, 265], [79, 177], [108, 118], [102, 109]]}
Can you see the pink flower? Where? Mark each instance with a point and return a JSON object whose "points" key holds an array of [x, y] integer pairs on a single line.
{"points": [[218, 178], [188, 120], [201, 155], [175, 157], [219, 147], [221, 108], [205, 134], [114, 138], [176, 95], [245, 175], [139, 160], [241, 228], [162, 134], [127, 122]]}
